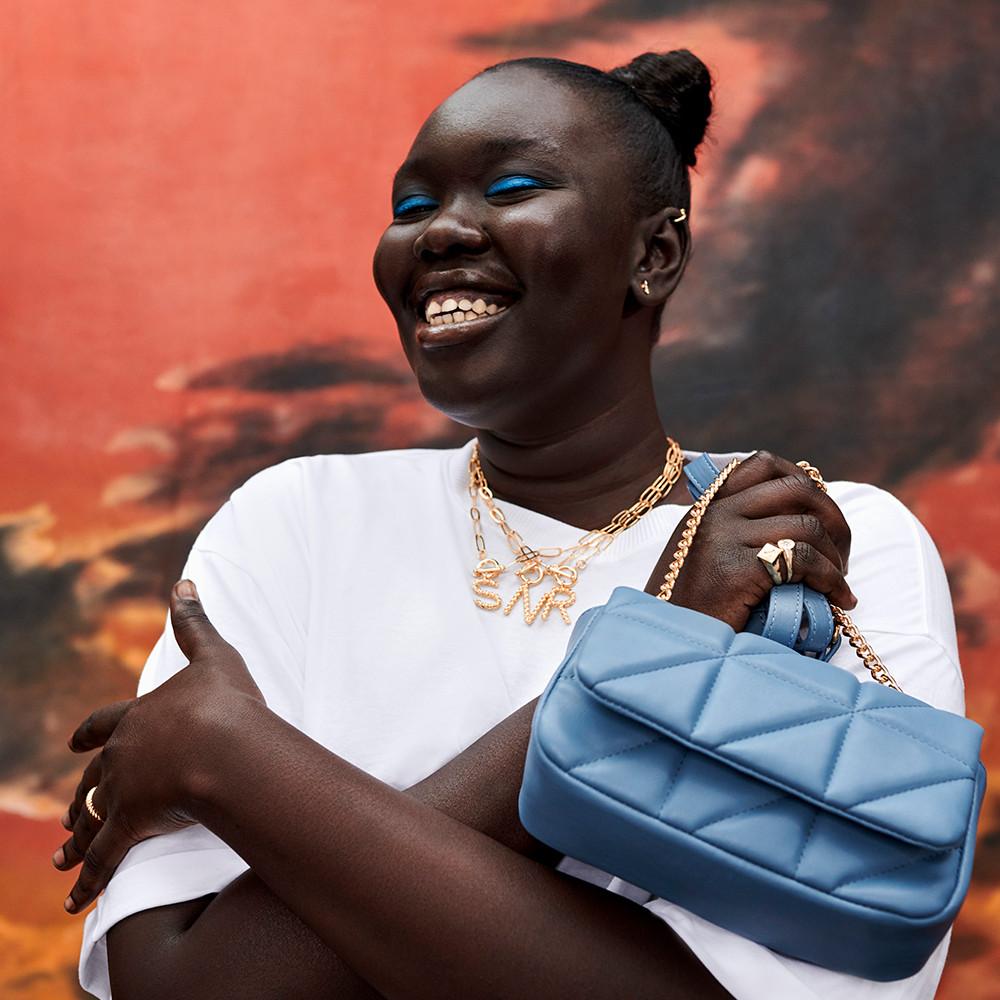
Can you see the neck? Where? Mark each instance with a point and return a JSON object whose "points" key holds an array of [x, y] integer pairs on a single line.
{"points": [[585, 474]]}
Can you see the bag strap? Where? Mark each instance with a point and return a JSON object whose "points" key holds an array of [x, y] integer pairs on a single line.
{"points": [[861, 646]]}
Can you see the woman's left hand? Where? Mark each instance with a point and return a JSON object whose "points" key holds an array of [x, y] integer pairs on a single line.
{"points": [[147, 775]]}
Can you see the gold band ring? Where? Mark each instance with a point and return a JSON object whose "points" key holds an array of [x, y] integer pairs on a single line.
{"points": [[89, 803], [787, 546], [770, 556]]}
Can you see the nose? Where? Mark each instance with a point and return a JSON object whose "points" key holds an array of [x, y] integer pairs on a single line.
{"points": [[453, 229]]}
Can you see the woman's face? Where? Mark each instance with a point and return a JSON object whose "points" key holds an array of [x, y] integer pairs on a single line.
{"points": [[513, 192]]}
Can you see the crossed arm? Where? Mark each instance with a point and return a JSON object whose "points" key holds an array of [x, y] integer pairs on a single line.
{"points": [[359, 890]]}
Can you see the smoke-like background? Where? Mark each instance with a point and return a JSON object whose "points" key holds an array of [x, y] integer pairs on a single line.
{"points": [[190, 194]]}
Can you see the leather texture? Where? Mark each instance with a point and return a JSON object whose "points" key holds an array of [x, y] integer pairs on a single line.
{"points": [[773, 794], [793, 614]]}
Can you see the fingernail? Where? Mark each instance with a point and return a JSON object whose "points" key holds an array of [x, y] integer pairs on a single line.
{"points": [[59, 858], [65, 820], [68, 904], [187, 590]]}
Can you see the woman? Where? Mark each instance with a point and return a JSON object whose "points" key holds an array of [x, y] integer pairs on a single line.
{"points": [[324, 802]]}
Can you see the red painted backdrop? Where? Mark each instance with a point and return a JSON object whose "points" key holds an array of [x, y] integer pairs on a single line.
{"points": [[190, 194]]}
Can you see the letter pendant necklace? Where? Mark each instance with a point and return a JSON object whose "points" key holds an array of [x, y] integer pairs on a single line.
{"points": [[529, 564]]}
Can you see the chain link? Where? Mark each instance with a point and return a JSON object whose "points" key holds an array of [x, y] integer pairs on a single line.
{"points": [[861, 646], [531, 568]]}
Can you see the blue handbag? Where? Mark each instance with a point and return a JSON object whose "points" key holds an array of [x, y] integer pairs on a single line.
{"points": [[744, 778]]}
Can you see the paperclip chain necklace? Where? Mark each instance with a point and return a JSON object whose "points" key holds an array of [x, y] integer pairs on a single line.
{"points": [[530, 569]]}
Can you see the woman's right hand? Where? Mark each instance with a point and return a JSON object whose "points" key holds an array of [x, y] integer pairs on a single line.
{"points": [[764, 498]]}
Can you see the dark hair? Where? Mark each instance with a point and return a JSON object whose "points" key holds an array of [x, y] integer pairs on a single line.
{"points": [[659, 104]]}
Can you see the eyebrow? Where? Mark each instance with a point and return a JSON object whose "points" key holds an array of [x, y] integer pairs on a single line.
{"points": [[493, 147]]}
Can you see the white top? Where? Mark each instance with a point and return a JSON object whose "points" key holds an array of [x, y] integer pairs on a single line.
{"points": [[344, 580]]}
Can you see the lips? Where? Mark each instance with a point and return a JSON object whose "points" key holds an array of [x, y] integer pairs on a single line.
{"points": [[434, 335], [460, 283]]}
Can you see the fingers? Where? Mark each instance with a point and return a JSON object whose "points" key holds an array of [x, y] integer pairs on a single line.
{"points": [[192, 628], [91, 777], [795, 493], [800, 527], [814, 569], [85, 829], [98, 726], [760, 467], [100, 860]]}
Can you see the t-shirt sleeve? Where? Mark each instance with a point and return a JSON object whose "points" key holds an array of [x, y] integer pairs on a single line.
{"points": [[905, 611], [249, 566]]}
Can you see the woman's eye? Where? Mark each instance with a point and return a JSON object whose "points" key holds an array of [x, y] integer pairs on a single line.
{"points": [[412, 204], [516, 182]]}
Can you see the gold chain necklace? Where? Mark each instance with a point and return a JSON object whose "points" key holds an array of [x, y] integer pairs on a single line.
{"points": [[531, 570]]}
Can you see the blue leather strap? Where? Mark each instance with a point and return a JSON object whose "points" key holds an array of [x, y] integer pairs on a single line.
{"points": [[793, 614]]}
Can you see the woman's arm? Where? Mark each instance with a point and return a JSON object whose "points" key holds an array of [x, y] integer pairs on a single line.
{"points": [[417, 903], [187, 946]]}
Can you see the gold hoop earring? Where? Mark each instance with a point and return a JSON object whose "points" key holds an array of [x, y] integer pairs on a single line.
{"points": [[645, 286]]}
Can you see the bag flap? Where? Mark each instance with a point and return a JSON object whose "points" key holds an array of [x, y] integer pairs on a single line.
{"points": [[858, 749]]}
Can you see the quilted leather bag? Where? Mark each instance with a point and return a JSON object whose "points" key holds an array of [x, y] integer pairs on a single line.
{"points": [[765, 790]]}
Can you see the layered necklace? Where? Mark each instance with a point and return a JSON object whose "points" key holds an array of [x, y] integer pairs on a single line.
{"points": [[560, 567]]}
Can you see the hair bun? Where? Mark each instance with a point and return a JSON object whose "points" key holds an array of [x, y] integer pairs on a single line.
{"points": [[677, 87]]}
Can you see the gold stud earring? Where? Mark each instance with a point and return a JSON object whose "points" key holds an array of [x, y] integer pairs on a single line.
{"points": [[645, 286], [682, 216]]}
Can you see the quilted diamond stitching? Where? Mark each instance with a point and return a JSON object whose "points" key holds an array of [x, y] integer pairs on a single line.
{"points": [[618, 753], [780, 729], [755, 863], [778, 677], [673, 784], [840, 749], [740, 812], [903, 791], [896, 868], [805, 844]]}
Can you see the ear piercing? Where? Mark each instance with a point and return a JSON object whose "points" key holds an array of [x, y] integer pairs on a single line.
{"points": [[644, 285]]}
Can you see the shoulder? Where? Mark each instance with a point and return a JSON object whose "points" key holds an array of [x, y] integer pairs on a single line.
{"points": [[293, 489]]}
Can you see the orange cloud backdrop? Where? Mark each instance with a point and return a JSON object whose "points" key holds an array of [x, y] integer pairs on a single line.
{"points": [[191, 196]]}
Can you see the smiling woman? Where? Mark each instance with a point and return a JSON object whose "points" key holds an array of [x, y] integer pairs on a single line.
{"points": [[316, 791]]}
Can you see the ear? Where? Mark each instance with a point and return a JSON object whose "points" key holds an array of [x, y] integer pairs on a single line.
{"points": [[663, 246]]}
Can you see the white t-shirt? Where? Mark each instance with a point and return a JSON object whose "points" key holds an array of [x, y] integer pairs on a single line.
{"points": [[345, 582]]}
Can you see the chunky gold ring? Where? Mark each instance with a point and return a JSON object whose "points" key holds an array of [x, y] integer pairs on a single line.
{"points": [[89, 803], [770, 555], [787, 546]]}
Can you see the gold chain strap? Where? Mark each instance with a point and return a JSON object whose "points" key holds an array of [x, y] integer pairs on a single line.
{"points": [[861, 646]]}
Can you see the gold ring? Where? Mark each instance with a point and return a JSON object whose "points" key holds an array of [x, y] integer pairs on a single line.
{"points": [[787, 546], [770, 555], [89, 803]]}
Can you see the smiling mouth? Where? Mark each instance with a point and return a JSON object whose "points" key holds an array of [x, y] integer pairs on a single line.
{"points": [[460, 326]]}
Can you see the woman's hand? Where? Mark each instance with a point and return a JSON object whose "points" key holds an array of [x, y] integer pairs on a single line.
{"points": [[147, 774], [764, 498]]}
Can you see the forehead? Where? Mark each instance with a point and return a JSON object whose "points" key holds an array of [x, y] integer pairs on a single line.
{"points": [[512, 111]]}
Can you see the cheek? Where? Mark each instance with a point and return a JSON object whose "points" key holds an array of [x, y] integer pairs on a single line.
{"points": [[567, 255], [390, 265]]}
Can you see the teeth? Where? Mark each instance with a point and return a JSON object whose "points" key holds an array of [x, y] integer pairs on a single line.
{"points": [[461, 308], [458, 316]]}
